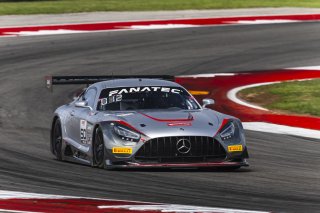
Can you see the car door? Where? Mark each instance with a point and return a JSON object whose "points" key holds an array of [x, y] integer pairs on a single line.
{"points": [[80, 116]]}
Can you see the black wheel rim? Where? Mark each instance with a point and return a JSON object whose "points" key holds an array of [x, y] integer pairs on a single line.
{"points": [[57, 139], [98, 148]]}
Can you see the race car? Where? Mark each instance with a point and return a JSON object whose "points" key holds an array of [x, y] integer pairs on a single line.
{"points": [[139, 122]]}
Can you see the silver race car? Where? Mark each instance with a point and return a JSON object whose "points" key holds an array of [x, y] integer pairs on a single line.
{"points": [[143, 123]]}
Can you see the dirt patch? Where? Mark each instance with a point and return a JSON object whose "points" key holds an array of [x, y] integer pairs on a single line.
{"points": [[262, 98]]}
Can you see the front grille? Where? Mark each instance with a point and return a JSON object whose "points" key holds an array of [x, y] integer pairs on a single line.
{"points": [[165, 150]]}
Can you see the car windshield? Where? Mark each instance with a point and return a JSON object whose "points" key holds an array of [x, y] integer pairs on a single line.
{"points": [[148, 97]]}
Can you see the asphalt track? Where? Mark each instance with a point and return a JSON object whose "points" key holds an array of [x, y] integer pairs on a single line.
{"points": [[284, 173]]}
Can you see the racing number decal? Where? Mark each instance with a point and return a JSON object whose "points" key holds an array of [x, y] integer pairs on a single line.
{"points": [[111, 99], [83, 129]]}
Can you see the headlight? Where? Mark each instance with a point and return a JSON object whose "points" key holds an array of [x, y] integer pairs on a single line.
{"points": [[228, 131], [126, 134]]}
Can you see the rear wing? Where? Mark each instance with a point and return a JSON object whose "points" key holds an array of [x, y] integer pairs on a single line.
{"points": [[67, 80]]}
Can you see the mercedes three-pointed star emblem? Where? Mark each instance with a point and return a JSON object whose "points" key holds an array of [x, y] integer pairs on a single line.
{"points": [[183, 146]]}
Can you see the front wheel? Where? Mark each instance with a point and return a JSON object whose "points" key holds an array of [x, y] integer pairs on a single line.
{"points": [[56, 140], [98, 148]]}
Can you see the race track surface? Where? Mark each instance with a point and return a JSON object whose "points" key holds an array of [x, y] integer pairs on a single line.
{"points": [[284, 173]]}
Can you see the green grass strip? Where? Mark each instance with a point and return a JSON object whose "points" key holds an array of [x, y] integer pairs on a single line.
{"points": [[8, 7]]}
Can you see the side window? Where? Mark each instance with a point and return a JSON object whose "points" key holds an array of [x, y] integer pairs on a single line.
{"points": [[89, 96]]}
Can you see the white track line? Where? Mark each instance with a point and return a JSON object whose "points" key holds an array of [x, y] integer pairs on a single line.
{"points": [[63, 31], [281, 129], [208, 75], [262, 21], [316, 68], [44, 32], [160, 26], [13, 194], [177, 208]]}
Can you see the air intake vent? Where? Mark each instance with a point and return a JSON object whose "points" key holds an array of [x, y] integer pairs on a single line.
{"points": [[189, 149]]}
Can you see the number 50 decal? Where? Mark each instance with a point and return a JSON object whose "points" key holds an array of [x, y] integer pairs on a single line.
{"points": [[83, 129]]}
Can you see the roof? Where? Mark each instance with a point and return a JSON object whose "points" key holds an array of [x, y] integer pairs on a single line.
{"points": [[134, 82]]}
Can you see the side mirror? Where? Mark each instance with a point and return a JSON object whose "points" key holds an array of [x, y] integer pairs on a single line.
{"points": [[207, 102], [83, 104]]}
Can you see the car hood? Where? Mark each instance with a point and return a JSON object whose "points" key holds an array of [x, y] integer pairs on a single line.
{"points": [[173, 123]]}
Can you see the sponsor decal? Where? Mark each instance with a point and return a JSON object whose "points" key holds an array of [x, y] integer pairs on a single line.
{"points": [[89, 133], [83, 131], [111, 99], [116, 95], [235, 148], [198, 92], [143, 89], [122, 150]]}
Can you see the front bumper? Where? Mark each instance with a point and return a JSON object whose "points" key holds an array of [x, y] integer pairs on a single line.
{"points": [[179, 165], [163, 153], [225, 164]]}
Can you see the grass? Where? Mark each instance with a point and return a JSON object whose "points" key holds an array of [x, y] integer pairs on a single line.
{"points": [[9, 7], [298, 97]]}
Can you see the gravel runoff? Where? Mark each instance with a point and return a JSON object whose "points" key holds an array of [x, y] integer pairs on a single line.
{"points": [[23, 20]]}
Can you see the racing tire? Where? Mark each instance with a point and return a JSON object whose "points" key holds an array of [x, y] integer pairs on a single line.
{"points": [[98, 149], [56, 140]]}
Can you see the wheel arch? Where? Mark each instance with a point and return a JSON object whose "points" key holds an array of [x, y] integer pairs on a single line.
{"points": [[106, 136], [54, 120], [96, 126]]}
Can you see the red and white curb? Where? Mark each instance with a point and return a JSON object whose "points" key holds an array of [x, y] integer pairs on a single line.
{"points": [[21, 202], [224, 87], [152, 25]]}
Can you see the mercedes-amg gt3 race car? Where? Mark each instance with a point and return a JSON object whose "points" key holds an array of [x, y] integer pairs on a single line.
{"points": [[143, 123]]}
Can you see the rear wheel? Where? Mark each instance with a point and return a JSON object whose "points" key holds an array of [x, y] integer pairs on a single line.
{"points": [[98, 148], [57, 140]]}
